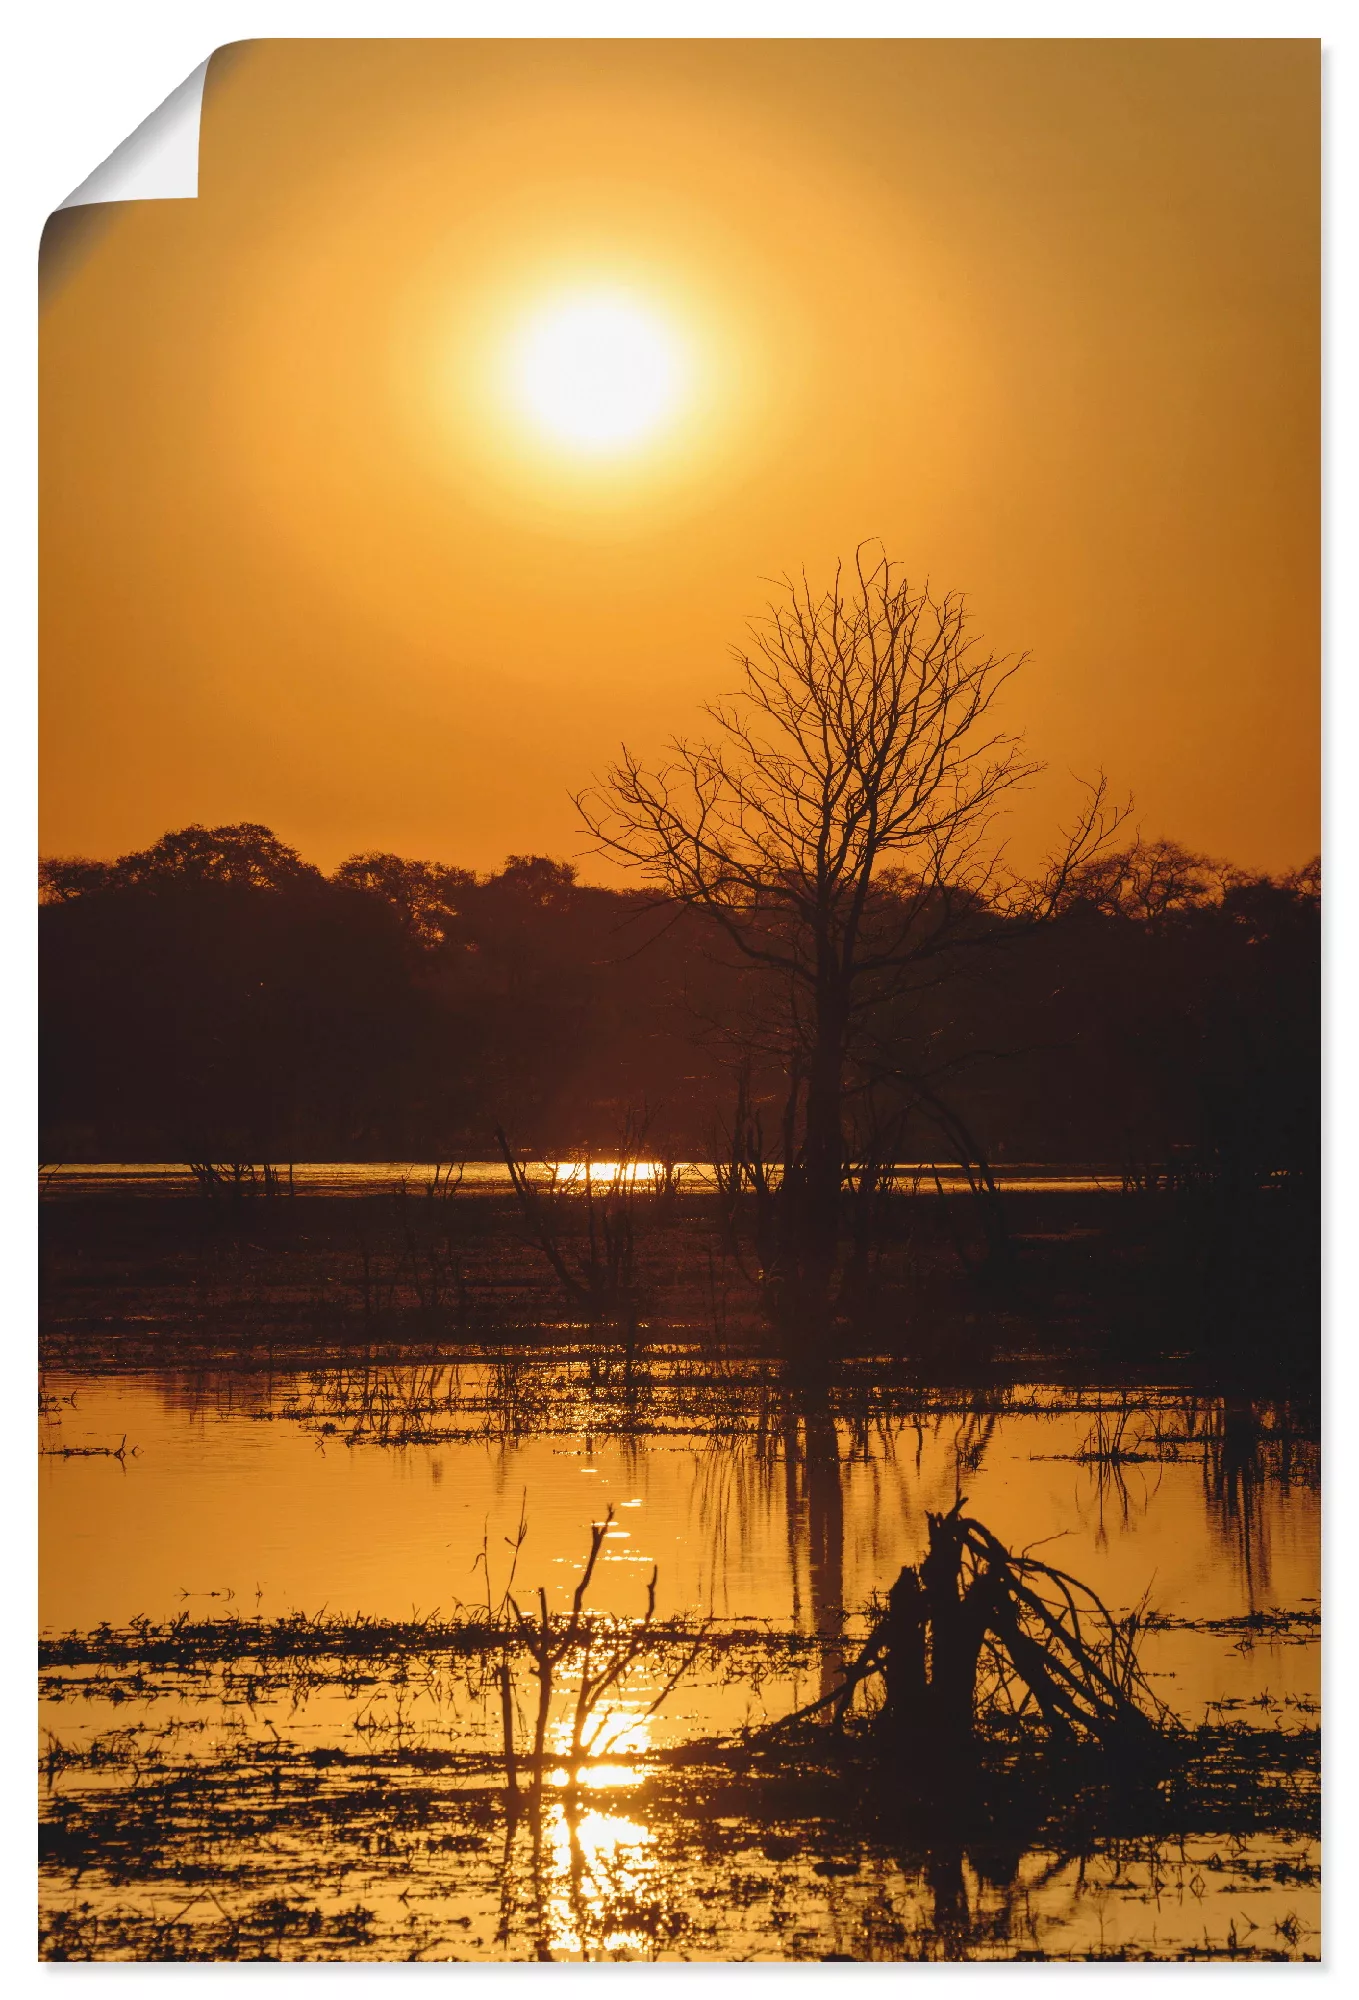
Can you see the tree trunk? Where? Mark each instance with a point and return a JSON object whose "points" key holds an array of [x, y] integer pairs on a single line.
{"points": [[824, 1150], [931, 1637], [957, 1621], [904, 1664]]}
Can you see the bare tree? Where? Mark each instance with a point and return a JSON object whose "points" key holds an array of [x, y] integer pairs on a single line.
{"points": [[840, 823]]}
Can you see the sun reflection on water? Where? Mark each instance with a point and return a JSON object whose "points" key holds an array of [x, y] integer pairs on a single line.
{"points": [[606, 1173], [600, 1868], [621, 1733]]}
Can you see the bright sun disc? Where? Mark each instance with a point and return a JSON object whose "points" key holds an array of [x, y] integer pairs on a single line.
{"points": [[597, 374]]}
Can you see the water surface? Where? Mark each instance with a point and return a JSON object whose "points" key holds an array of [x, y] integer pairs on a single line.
{"points": [[384, 1492]]}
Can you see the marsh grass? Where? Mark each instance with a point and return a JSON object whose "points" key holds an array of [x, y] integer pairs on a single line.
{"points": [[219, 1823], [157, 1845], [349, 1788]]}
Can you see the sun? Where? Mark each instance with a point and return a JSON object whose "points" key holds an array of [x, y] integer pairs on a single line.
{"points": [[598, 372]]}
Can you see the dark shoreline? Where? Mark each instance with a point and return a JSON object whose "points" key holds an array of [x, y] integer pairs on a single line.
{"points": [[1182, 1285]]}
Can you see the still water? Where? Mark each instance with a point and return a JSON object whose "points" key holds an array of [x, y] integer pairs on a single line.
{"points": [[340, 1177], [385, 1493], [277, 1496]]}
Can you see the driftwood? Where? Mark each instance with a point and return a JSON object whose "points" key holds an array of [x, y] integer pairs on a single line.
{"points": [[975, 1624]]}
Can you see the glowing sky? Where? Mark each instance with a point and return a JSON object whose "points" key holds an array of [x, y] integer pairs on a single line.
{"points": [[597, 372], [341, 532]]}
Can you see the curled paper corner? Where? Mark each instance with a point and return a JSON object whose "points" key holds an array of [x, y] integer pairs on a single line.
{"points": [[157, 162]]}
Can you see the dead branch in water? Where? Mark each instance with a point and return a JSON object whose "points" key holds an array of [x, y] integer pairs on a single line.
{"points": [[975, 1625], [605, 1661], [604, 1280]]}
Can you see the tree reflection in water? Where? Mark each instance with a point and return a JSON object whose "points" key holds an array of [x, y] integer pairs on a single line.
{"points": [[813, 1476]]}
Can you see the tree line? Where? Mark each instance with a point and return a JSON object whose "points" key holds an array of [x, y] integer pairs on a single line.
{"points": [[216, 996], [827, 947]]}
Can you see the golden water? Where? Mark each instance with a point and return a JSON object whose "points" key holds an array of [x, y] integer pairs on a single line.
{"points": [[241, 1494]]}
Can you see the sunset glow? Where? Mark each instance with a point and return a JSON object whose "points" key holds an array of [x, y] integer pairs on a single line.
{"points": [[568, 356], [598, 373], [680, 1160]]}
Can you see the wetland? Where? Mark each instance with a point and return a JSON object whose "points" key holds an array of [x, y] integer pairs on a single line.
{"points": [[299, 1507]]}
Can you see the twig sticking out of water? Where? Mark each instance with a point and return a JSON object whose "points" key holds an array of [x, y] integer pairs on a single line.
{"points": [[548, 1645], [604, 1661], [498, 1620], [604, 1282], [119, 1451]]}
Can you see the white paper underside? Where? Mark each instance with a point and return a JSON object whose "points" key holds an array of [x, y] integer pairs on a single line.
{"points": [[157, 162]]}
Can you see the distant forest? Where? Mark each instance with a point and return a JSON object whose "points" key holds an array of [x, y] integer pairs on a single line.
{"points": [[216, 997]]}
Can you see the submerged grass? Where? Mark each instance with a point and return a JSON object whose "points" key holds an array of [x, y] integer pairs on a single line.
{"points": [[159, 1845], [243, 1815]]}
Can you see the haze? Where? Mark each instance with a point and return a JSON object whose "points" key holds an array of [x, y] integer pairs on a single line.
{"points": [[1043, 316]]}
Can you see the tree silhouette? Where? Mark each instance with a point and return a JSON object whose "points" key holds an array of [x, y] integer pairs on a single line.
{"points": [[401, 1009], [861, 739], [244, 856], [428, 895]]}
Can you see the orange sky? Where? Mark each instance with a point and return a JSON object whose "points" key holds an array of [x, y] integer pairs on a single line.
{"points": [[1044, 316]]}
